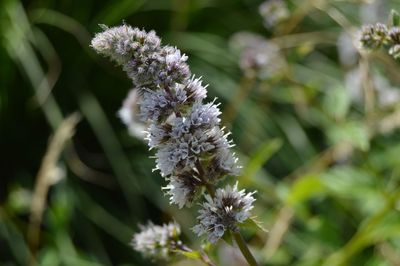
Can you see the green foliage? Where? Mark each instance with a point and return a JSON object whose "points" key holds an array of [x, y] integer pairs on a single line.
{"points": [[394, 18], [190, 254]]}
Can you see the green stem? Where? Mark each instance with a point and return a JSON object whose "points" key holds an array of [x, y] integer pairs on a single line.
{"points": [[244, 249], [203, 257], [210, 188]]}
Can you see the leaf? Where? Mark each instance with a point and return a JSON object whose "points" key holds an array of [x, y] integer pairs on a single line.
{"points": [[353, 132], [337, 102], [261, 156], [206, 247], [50, 257], [118, 10], [253, 224], [189, 254], [394, 18], [227, 237], [305, 188], [388, 228]]}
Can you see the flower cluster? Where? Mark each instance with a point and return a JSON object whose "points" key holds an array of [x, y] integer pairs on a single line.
{"points": [[223, 212], [192, 150], [379, 35], [273, 12], [258, 56], [141, 55], [157, 242], [374, 36]]}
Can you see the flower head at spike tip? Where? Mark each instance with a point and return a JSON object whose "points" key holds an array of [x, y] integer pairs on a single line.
{"points": [[374, 36], [394, 34], [142, 57], [395, 51], [157, 242], [122, 42], [225, 211]]}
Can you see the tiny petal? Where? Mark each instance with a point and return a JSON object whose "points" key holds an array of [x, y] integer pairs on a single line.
{"points": [[183, 189]]}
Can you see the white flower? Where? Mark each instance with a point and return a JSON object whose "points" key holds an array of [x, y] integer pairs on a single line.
{"points": [[273, 12], [191, 149], [374, 36], [183, 189], [195, 89], [119, 43], [225, 211], [258, 56], [180, 126], [153, 105], [129, 114], [155, 135], [205, 115], [141, 55], [156, 241]]}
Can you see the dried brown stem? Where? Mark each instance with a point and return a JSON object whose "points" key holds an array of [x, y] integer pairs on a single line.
{"points": [[47, 175]]}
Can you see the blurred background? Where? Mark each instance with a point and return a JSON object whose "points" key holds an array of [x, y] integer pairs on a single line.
{"points": [[315, 122]]}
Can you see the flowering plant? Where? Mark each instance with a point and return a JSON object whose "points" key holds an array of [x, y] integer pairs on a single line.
{"points": [[193, 153]]}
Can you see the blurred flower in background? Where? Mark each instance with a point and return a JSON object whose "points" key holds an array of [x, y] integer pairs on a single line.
{"points": [[273, 12]]}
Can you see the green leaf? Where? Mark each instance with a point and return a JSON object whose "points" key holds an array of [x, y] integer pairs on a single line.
{"points": [[305, 188], [387, 228], [189, 254], [353, 132], [50, 257], [253, 224], [394, 18], [118, 10], [337, 102], [227, 237], [206, 247], [260, 157]]}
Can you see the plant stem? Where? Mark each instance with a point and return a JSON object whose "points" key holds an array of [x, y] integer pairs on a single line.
{"points": [[210, 188], [204, 258], [244, 249]]}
